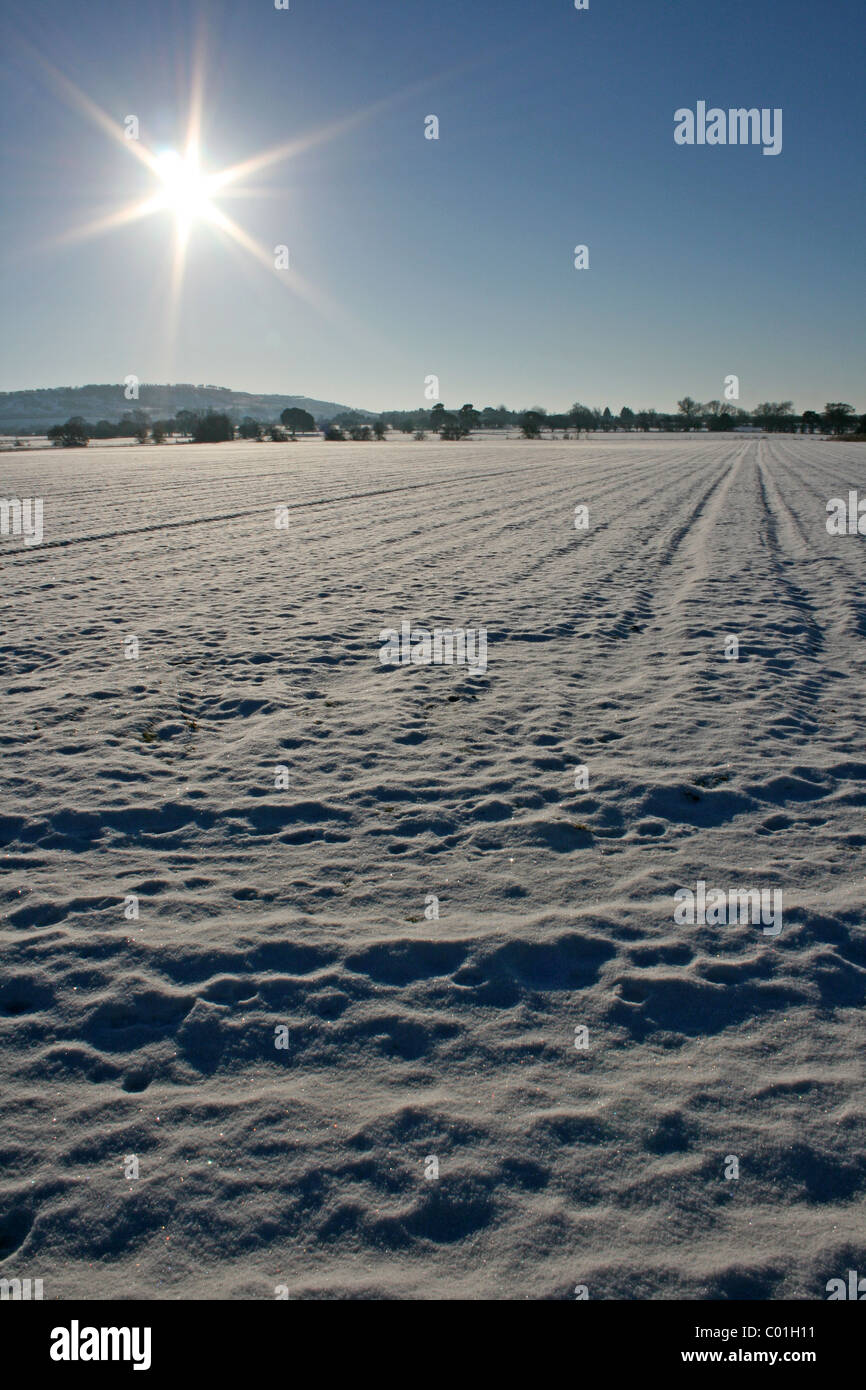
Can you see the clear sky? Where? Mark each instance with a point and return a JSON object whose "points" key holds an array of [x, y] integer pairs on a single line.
{"points": [[455, 256]]}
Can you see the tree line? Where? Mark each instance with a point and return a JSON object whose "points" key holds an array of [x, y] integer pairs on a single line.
{"points": [[837, 417], [213, 427], [201, 427]]}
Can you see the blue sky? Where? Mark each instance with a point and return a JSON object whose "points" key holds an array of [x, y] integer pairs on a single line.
{"points": [[455, 256]]}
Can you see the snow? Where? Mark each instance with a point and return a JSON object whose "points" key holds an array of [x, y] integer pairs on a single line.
{"points": [[302, 906]]}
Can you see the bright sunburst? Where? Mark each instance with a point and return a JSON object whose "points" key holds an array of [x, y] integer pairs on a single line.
{"points": [[183, 189], [186, 189]]}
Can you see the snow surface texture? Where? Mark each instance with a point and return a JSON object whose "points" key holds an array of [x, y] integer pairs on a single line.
{"points": [[412, 1038]]}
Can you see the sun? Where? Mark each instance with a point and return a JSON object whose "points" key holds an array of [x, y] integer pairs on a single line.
{"points": [[186, 190], [190, 195]]}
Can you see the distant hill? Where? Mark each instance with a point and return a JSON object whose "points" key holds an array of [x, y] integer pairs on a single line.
{"points": [[37, 410]]}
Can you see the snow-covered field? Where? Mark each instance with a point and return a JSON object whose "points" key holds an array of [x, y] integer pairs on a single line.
{"points": [[302, 905]]}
